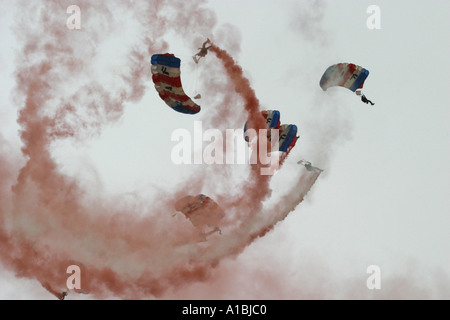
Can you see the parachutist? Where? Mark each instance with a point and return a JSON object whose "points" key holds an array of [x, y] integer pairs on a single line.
{"points": [[203, 51], [365, 100], [63, 295]]}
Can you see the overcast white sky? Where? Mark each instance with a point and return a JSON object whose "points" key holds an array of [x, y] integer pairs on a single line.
{"points": [[384, 197]]}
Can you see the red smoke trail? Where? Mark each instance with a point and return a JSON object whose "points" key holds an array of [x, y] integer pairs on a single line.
{"points": [[255, 222], [47, 201], [47, 221], [258, 188]]}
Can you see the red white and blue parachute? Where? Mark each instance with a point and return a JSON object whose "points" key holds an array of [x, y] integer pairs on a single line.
{"points": [[166, 76], [287, 133], [347, 75], [288, 137], [201, 210], [272, 118]]}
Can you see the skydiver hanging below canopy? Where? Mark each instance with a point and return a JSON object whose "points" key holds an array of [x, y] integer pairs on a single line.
{"points": [[347, 75], [203, 51], [364, 98]]}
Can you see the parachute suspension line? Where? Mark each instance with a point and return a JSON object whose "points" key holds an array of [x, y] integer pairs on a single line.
{"points": [[195, 84]]}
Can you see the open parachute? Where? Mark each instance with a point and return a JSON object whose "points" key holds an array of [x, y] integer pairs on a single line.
{"points": [[202, 211], [287, 133], [347, 75], [288, 137], [272, 118], [166, 76]]}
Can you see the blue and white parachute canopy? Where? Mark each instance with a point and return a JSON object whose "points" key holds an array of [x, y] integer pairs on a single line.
{"points": [[347, 75]]}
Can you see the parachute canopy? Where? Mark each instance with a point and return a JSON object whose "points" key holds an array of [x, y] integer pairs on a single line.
{"points": [[201, 210], [272, 121], [288, 137], [345, 75], [287, 132], [166, 76]]}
